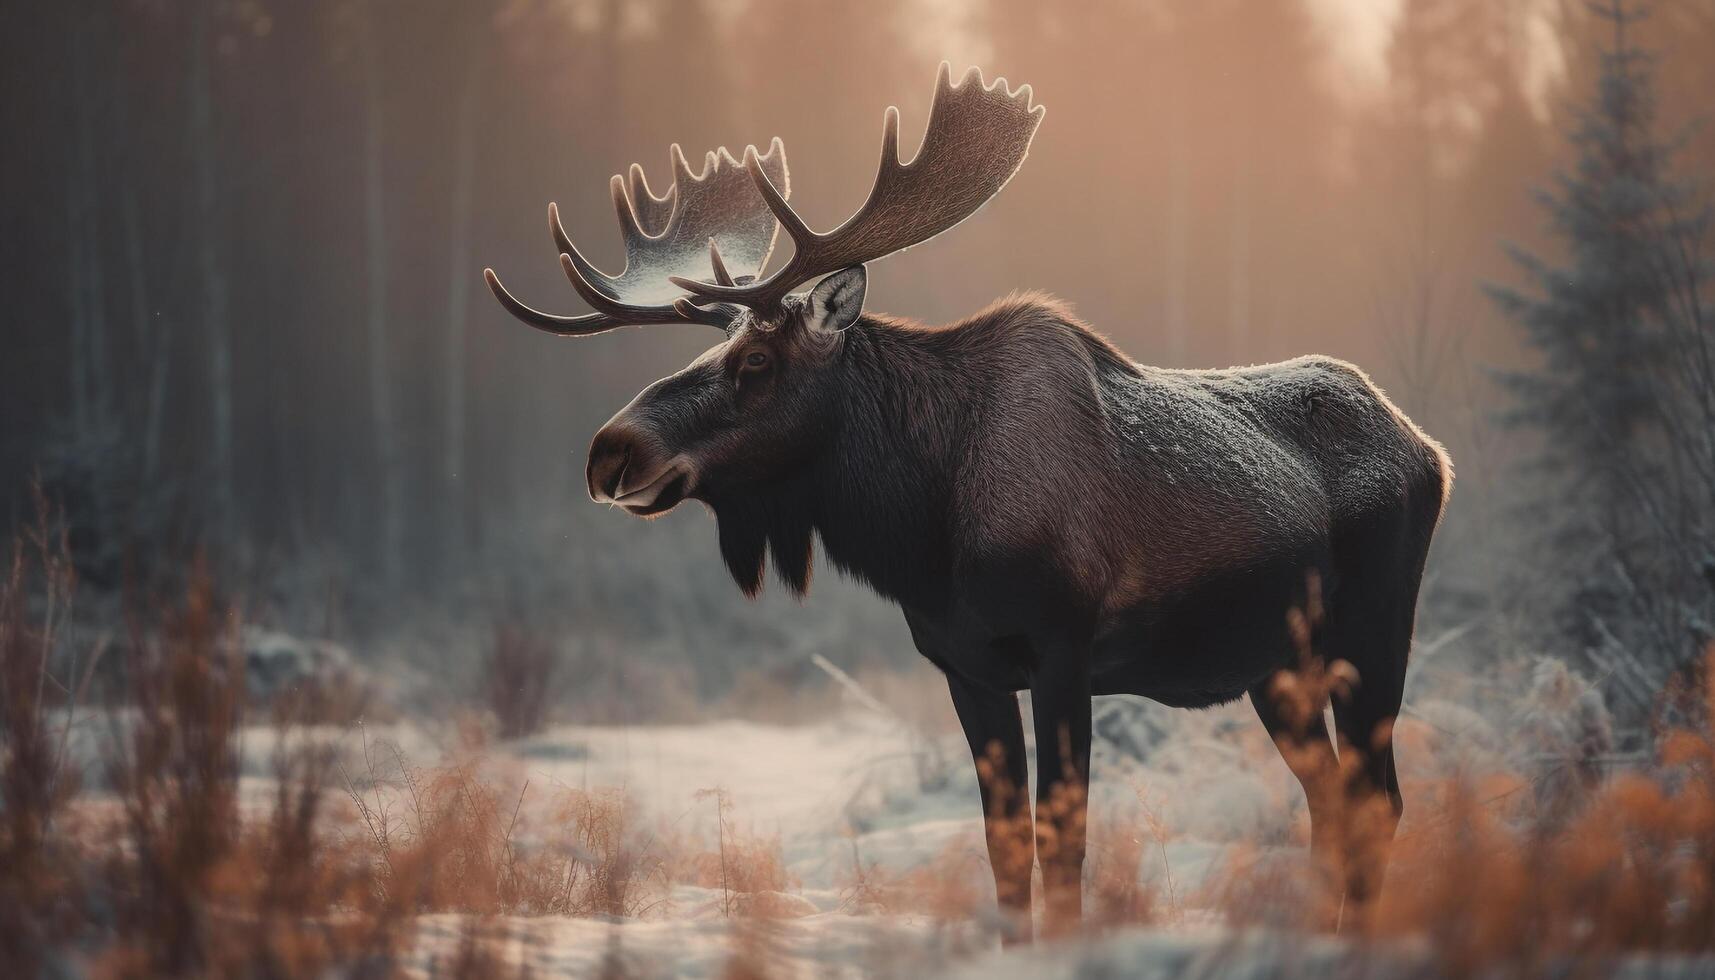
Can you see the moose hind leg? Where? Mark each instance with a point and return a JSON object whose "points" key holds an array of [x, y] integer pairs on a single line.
{"points": [[1371, 618], [1304, 742], [995, 733], [1373, 801]]}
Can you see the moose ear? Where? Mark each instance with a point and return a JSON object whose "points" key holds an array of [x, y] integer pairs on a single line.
{"points": [[837, 300]]}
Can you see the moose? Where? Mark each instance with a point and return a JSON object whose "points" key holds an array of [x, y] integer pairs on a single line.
{"points": [[1049, 515]]}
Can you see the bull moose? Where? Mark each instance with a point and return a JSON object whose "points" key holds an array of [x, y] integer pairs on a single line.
{"points": [[1049, 515]]}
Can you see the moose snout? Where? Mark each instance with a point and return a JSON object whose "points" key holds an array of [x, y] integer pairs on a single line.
{"points": [[630, 467]]}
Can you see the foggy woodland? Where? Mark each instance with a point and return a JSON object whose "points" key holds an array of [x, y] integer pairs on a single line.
{"points": [[245, 316]]}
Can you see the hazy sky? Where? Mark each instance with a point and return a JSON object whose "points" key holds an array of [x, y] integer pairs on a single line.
{"points": [[1358, 31]]}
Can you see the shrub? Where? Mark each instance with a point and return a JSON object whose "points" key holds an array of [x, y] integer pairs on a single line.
{"points": [[520, 674], [458, 845], [1632, 870], [35, 883]]}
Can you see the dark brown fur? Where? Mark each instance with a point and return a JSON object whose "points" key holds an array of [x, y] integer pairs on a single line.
{"points": [[1052, 516]]}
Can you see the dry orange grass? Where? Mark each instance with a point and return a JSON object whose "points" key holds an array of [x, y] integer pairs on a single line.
{"points": [[193, 887], [449, 840], [742, 865], [1118, 896], [38, 889], [953, 887], [1492, 882], [1634, 870], [176, 878], [1495, 883]]}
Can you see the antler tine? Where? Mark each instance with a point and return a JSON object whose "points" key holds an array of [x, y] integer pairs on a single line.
{"points": [[889, 138], [978, 136], [576, 268], [562, 241], [652, 212], [564, 326], [721, 275], [632, 313], [681, 167], [783, 213], [587, 275]]}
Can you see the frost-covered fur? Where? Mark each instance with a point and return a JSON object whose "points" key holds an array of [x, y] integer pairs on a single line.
{"points": [[1053, 516], [1208, 471], [1021, 430]]}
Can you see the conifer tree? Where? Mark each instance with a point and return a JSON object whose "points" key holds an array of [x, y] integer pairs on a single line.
{"points": [[1622, 392]]}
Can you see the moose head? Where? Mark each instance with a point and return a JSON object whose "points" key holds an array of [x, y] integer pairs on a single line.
{"points": [[754, 407]]}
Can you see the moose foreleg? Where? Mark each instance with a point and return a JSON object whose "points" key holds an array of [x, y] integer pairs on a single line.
{"points": [[996, 736], [1060, 700]]}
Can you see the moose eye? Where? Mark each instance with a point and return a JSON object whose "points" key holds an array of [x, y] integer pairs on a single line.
{"points": [[755, 359]]}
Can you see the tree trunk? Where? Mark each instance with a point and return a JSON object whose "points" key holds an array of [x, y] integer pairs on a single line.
{"points": [[380, 377], [211, 273], [79, 326], [81, 247], [460, 273], [149, 334], [153, 335], [89, 229]]}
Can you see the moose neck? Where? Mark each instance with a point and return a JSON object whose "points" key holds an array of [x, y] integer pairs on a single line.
{"points": [[887, 484], [879, 493]]}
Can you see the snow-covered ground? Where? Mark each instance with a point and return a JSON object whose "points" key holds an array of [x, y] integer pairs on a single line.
{"points": [[1182, 803], [861, 791], [864, 790]]}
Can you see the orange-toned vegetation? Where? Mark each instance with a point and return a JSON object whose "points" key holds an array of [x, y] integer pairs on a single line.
{"points": [[39, 891], [740, 864], [1633, 869], [950, 887], [175, 874], [172, 870]]}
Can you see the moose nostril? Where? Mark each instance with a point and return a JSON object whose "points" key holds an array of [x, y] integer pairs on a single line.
{"points": [[610, 456], [618, 473]]}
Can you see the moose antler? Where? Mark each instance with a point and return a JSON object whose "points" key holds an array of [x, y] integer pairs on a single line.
{"points": [[716, 221], [976, 140]]}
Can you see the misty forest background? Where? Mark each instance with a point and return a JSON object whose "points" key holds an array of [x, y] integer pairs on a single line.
{"points": [[245, 317]]}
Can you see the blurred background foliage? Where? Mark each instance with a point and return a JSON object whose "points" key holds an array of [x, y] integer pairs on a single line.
{"points": [[245, 316]]}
